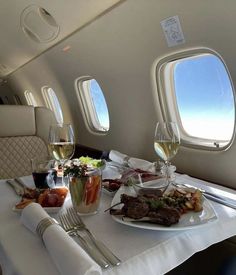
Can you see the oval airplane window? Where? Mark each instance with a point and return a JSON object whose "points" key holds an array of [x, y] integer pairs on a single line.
{"points": [[30, 98], [17, 100], [93, 103], [200, 97], [52, 103]]}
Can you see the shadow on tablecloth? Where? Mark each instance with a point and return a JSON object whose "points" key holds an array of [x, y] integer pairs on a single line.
{"points": [[218, 259]]}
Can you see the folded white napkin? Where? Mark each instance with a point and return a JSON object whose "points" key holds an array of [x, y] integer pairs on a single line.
{"points": [[134, 163], [67, 255]]}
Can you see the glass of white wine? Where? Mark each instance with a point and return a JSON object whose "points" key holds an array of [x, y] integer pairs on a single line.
{"points": [[166, 143], [61, 144]]}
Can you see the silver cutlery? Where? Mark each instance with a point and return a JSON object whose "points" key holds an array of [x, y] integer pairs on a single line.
{"points": [[16, 186], [20, 182], [79, 225], [202, 190], [221, 201], [19, 186], [69, 228]]}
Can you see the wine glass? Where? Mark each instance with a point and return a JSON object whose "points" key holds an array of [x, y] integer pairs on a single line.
{"points": [[166, 144], [61, 144]]}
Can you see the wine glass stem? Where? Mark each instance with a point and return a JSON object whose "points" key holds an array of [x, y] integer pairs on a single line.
{"points": [[62, 162], [167, 164]]}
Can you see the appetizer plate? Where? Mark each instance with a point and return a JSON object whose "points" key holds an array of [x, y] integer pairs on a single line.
{"points": [[190, 220], [52, 200]]}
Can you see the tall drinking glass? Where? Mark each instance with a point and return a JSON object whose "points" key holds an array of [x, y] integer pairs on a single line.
{"points": [[166, 143], [61, 144]]}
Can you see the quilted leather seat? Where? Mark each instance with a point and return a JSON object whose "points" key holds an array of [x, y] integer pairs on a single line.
{"points": [[23, 136]]}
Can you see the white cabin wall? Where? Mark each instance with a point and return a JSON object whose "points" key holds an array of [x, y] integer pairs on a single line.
{"points": [[119, 49], [36, 75]]}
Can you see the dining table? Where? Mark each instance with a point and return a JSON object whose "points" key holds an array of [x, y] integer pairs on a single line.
{"points": [[142, 250]]}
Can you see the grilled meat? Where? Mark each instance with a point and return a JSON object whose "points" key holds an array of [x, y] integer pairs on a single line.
{"points": [[164, 210], [165, 216], [146, 206]]}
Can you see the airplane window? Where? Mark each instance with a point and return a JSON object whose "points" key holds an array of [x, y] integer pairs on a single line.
{"points": [[200, 99], [93, 104], [30, 98], [52, 103], [17, 100]]}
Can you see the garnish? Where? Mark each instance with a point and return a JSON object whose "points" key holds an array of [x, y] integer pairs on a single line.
{"points": [[96, 163], [155, 204], [75, 170], [80, 167]]}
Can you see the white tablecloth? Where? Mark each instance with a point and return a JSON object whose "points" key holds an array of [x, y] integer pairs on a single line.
{"points": [[142, 251]]}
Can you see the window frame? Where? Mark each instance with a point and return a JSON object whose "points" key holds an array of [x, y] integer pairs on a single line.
{"points": [[17, 100], [88, 109], [30, 98], [165, 88], [55, 107]]}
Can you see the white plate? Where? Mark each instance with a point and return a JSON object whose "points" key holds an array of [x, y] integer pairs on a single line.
{"points": [[190, 220], [49, 210]]}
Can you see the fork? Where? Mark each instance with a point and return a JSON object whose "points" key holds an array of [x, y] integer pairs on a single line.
{"points": [[69, 228], [79, 225]]}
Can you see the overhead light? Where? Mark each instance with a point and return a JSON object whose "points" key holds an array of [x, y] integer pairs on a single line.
{"points": [[38, 24]]}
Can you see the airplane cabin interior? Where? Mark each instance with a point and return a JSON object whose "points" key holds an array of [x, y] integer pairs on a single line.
{"points": [[139, 91]]}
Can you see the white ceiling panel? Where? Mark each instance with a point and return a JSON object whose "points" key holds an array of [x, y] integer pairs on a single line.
{"points": [[16, 49]]}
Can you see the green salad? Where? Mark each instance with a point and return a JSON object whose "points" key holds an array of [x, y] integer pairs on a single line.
{"points": [[79, 167], [96, 163]]}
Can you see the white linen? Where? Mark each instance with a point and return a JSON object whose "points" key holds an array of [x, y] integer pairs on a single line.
{"points": [[134, 163], [117, 157], [67, 255], [141, 251]]}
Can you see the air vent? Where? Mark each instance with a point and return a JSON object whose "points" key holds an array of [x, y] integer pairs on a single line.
{"points": [[38, 24]]}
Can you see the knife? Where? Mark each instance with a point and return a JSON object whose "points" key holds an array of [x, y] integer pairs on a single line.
{"points": [[21, 183], [220, 197], [18, 188], [221, 201]]}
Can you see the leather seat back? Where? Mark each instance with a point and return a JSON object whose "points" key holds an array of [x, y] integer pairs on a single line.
{"points": [[23, 135]]}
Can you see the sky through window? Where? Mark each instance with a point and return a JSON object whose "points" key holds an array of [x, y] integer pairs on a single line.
{"points": [[204, 97], [100, 104]]}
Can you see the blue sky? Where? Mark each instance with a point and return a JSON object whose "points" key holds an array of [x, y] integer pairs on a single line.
{"points": [[204, 96], [100, 104]]}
